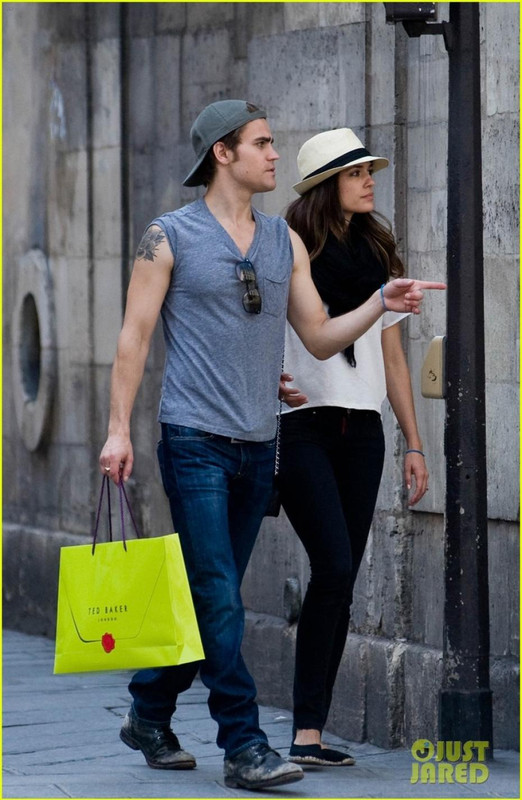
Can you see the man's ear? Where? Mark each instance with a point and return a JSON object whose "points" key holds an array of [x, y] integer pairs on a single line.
{"points": [[221, 154]]}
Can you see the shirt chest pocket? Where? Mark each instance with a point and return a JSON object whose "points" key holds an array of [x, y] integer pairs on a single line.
{"points": [[275, 294]]}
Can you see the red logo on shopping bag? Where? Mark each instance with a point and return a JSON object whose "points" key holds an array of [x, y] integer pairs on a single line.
{"points": [[108, 642]]}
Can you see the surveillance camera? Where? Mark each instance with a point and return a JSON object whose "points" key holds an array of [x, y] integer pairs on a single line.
{"points": [[411, 12]]}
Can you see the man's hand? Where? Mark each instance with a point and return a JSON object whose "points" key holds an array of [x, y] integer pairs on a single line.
{"points": [[405, 294], [116, 458], [293, 397]]}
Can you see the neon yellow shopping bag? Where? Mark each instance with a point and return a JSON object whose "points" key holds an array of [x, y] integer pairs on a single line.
{"points": [[124, 605]]}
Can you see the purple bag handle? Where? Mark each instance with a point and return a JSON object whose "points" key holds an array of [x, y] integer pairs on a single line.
{"points": [[122, 496]]}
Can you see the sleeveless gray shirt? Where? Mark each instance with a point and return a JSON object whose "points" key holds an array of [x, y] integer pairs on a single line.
{"points": [[223, 364]]}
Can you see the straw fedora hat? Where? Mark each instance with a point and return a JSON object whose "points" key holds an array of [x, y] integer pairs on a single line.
{"points": [[329, 152]]}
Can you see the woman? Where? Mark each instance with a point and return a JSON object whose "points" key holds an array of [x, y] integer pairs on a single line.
{"points": [[332, 448]]}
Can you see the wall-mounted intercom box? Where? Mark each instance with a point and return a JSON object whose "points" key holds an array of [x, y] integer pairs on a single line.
{"points": [[433, 377]]}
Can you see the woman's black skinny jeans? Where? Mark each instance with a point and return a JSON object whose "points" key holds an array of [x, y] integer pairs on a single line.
{"points": [[330, 470]]}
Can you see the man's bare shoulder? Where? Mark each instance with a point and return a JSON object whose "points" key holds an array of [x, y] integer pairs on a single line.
{"points": [[300, 253]]}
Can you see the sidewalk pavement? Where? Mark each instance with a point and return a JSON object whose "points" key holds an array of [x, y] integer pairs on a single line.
{"points": [[60, 739]]}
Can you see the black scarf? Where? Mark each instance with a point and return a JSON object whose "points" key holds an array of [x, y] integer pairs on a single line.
{"points": [[346, 273]]}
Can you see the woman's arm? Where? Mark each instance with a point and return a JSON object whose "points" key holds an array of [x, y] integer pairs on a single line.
{"points": [[400, 395], [324, 336]]}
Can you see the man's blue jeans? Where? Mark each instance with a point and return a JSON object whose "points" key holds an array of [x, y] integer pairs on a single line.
{"points": [[218, 491]]}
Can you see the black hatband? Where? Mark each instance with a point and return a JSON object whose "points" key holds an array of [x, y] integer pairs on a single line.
{"points": [[353, 155]]}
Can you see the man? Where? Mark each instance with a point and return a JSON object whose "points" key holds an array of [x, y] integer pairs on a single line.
{"points": [[222, 275]]}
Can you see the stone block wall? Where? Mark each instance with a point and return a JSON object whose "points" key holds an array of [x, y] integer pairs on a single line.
{"points": [[98, 103]]}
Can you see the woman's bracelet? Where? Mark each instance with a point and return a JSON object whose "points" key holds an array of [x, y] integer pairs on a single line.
{"points": [[415, 451], [382, 298]]}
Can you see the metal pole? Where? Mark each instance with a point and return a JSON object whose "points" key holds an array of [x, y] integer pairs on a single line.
{"points": [[465, 701]]}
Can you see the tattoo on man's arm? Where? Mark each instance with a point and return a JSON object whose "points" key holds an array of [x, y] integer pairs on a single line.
{"points": [[148, 245]]}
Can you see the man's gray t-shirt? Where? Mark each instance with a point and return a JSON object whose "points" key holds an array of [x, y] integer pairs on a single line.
{"points": [[222, 363]]}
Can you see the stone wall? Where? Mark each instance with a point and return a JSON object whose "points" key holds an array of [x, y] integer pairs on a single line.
{"points": [[98, 103]]}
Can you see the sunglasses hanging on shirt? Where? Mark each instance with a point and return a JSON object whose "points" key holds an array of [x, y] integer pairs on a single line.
{"points": [[251, 299]]}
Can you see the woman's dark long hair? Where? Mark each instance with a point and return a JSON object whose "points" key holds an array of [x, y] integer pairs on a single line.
{"points": [[319, 211]]}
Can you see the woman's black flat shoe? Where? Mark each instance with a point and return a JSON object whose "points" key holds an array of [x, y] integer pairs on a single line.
{"points": [[320, 756]]}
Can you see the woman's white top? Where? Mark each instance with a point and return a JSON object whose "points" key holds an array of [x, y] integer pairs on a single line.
{"points": [[334, 382]]}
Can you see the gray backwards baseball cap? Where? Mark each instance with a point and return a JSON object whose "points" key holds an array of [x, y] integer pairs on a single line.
{"points": [[214, 122]]}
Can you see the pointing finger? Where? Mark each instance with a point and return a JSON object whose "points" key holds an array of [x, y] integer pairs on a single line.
{"points": [[431, 285]]}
